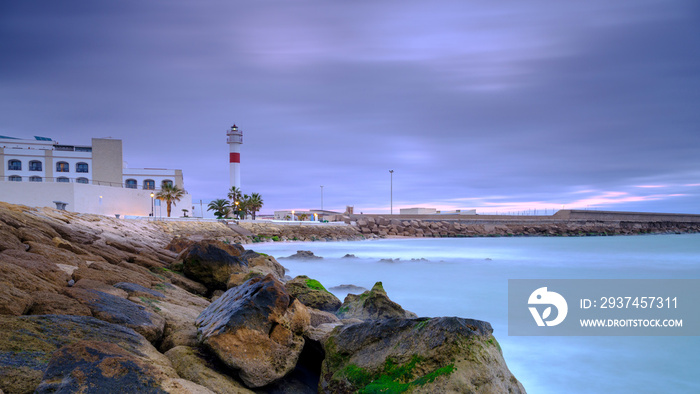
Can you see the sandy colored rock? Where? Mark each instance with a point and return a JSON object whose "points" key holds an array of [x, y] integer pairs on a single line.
{"points": [[254, 328], [44, 303], [90, 284], [194, 365]]}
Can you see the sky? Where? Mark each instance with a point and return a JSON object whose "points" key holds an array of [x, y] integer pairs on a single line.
{"points": [[501, 107]]}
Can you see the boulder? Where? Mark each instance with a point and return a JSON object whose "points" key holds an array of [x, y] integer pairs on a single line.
{"points": [[303, 255], [117, 310], [196, 366], [254, 328], [178, 244], [446, 354], [372, 305], [212, 263], [349, 289], [311, 293], [28, 342]]}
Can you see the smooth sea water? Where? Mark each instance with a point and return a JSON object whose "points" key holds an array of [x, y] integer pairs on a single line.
{"points": [[468, 277]]}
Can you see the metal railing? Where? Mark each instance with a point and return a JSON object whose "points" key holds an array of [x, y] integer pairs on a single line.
{"points": [[86, 181]]}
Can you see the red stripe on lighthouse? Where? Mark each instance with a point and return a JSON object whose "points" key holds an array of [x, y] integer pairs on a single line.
{"points": [[235, 157]]}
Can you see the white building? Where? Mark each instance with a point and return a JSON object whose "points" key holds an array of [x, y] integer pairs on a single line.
{"points": [[90, 179]]}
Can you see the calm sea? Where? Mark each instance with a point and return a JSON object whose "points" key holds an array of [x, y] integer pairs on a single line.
{"points": [[468, 277]]}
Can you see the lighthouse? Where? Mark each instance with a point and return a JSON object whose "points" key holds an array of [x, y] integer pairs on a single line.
{"points": [[235, 139]]}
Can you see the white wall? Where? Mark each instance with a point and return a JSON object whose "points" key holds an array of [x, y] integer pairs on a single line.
{"points": [[103, 200]]}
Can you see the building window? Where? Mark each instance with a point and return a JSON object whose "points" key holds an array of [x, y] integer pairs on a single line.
{"points": [[149, 184], [131, 184], [81, 167], [15, 178], [35, 179], [166, 182], [62, 166], [82, 180], [62, 179], [35, 165], [14, 165]]}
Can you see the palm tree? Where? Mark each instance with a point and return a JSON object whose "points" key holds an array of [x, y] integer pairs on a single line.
{"points": [[170, 194], [255, 202], [221, 207], [235, 195]]}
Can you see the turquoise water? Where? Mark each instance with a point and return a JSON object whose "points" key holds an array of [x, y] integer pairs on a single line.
{"points": [[468, 277]]}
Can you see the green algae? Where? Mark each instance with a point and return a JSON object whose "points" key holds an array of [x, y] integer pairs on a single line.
{"points": [[394, 378]]}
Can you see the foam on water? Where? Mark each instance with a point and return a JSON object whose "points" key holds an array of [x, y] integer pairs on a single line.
{"points": [[468, 277]]}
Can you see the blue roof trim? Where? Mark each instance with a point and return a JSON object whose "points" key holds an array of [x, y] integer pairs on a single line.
{"points": [[42, 138], [9, 138]]}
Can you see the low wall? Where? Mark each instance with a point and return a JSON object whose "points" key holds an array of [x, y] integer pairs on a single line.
{"points": [[101, 200]]}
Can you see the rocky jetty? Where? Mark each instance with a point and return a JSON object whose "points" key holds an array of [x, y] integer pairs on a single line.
{"points": [[517, 226], [97, 304]]}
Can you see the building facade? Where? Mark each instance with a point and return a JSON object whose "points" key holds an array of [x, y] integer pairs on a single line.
{"points": [[89, 178]]}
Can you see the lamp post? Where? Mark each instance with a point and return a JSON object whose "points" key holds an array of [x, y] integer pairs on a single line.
{"points": [[152, 203], [391, 191], [322, 197], [236, 211]]}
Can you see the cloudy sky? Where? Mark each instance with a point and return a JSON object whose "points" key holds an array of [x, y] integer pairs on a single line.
{"points": [[499, 107]]}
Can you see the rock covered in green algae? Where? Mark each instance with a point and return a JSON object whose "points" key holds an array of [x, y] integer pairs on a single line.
{"points": [[311, 293], [28, 343], [372, 305], [446, 354]]}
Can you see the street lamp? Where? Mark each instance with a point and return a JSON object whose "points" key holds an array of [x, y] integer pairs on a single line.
{"points": [[292, 215], [322, 197], [236, 211], [391, 172], [152, 203]]}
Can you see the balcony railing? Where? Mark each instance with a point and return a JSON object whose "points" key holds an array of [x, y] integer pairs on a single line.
{"points": [[85, 181]]}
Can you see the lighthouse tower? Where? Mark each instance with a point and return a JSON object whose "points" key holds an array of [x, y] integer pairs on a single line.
{"points": [[235, 139]]}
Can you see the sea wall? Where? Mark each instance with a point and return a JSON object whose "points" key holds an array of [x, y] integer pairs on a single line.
{"points": [[564, 223]]}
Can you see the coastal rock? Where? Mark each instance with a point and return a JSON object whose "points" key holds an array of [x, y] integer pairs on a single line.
{"points": [[28, 343], [303, 255], [446, 354], [212, 263], [90, 284], [255, 329], [311, 293], [178, 244], [111, 274], [196, 366], [134, 290], [318, 317], [117, 310], [348, 289], [45, 303], [372, 305], [85, 366]]}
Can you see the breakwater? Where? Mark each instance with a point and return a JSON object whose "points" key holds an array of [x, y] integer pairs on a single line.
{"points": [[563, 223]]}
